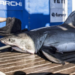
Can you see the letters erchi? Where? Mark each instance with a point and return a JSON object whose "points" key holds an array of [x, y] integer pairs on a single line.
{"points": [[11, 3]]}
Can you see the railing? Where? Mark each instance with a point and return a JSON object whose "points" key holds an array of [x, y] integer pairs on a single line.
{"points": [[5, 47]]}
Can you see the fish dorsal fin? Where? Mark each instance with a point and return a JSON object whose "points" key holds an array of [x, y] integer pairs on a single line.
{"points": [[71, 19]]}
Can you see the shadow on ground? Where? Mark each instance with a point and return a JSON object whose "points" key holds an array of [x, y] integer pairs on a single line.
{"points": [[23, 73]]}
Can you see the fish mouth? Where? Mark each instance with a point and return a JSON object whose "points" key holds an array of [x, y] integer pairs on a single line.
{"points": [[13, 46], [17, 48]]}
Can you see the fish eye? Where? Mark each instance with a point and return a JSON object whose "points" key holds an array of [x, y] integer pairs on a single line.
{"points": [[11, 40]]}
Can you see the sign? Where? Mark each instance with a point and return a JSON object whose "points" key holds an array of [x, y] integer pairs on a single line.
{"points": [[73, 5], [11, 4], [58, 10]]}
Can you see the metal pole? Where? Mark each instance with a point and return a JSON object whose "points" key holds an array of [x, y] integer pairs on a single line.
{"points": [[5, 47]]}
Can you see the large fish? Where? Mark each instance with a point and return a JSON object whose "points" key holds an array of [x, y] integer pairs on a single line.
{"points": [[49, 40]]}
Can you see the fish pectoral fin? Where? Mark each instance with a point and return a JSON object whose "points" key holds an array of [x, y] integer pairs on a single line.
{"points": [[51, 48], [56, 58]]}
